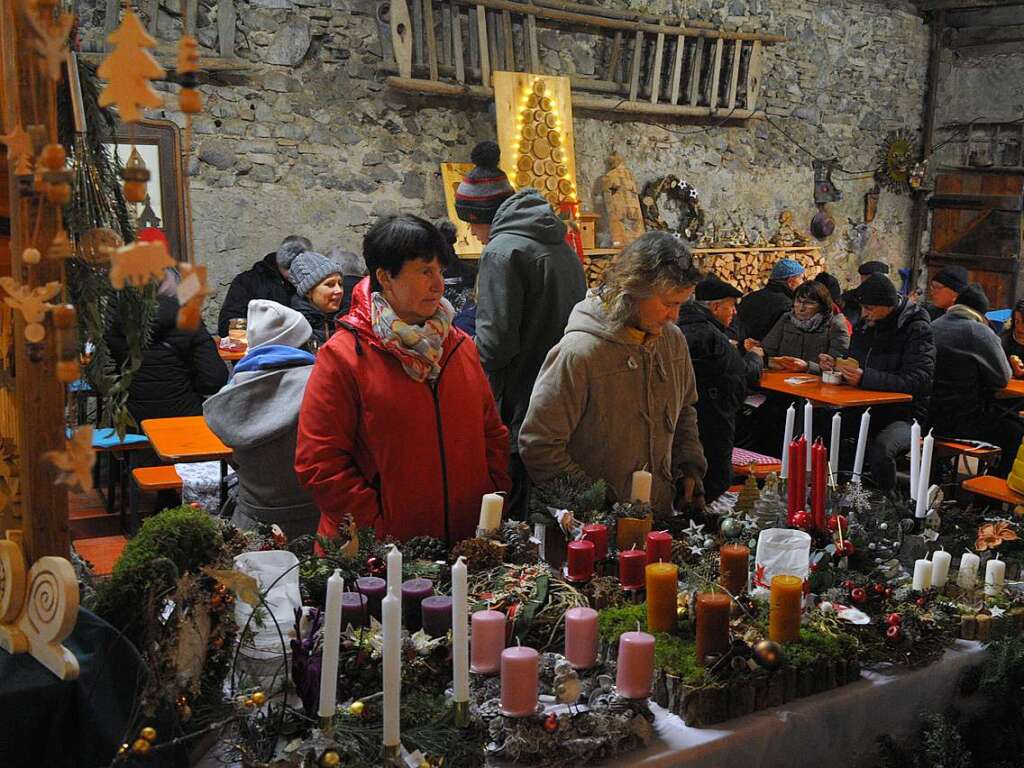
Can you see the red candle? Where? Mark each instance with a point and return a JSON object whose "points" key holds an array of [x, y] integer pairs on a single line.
{"points": [[819, 458], [631, 568], [581, 560], [796, 490], [597, 533], [659, 547]]}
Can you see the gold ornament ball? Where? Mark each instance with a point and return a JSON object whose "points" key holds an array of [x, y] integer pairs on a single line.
{"points": [[31, 256], [330, 759], [356, 708], [148, 733], [768, 654], [259, 698], [141, 747], [53, 156], [123, 750]]}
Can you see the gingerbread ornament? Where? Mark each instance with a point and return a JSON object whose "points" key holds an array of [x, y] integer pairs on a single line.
{"points": [[129, 69], [139, 263]]}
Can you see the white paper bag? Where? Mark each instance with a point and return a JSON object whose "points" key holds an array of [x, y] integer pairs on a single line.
{"points": [[781, 551], [281, 601]]}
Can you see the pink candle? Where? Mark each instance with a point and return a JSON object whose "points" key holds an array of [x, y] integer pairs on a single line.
{"points": [[518, 681], [659, 547], [635, 665], [581, 560], [597, 533], [581, 637], [631, 568], [487, 641]]}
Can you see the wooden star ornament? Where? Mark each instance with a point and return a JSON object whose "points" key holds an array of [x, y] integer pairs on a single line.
{"points": [[19, 149], [52, 41], [76, 461], [139, 263]]}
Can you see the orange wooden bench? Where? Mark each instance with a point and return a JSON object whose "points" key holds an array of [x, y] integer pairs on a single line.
{"points": [[993, 488], [161, 478], [951, 450]]}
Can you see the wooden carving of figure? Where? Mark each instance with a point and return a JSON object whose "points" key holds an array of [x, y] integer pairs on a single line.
{"points": [[622, 201], [787, 233]]}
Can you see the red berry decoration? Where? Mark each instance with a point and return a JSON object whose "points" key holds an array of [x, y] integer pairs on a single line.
{"points": [[375, 566], [888, 591], [893, 633], [893, 619], [814, 567], [835, 521], [848, 584], [551, 723], [920, 602], [848, 548], [802, 520], [858, 595], [879, 589]]}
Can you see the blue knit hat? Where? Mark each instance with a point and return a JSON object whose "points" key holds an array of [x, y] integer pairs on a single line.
{"points": [[786, 268]]}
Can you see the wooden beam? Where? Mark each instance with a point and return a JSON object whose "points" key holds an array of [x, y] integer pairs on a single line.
{"points": [[152, 10], [430, 37], [754, 75], [506, 34], [949, 5], [659, 52], [677, 69], [460, 63], [401, 36], [111, 17], [634, 72], [716, 74], [737, 51], [531, 44], [974, 37], [481, 37], [698, 63], [616, 56], [226, 28]]}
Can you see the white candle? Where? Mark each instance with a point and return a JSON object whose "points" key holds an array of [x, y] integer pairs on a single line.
{"points": [[490, 512], [967, 576], [787, 438], [641, 486], [394, 571], [915, 458], [808, 434], [922, 575], [460, 631], [391, 620], [940, 568], [862, 444], [995, 574], [924, 477], [833, 457], [332, 643]]}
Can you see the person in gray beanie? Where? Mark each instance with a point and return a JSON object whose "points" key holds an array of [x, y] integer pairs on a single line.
{"points": [[319, 291], [267, 279], [257, 415]]}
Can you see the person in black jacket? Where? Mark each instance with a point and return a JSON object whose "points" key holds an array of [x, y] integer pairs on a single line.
{"points": [[319, 291], [945, 287], [1013, 340], [179, 368], [895, 350], [268, 279], [723, 375], [851, 308], [760, 310], [353, 269]]}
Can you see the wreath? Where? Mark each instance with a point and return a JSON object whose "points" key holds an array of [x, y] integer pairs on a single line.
{"points": [[683, 195]]}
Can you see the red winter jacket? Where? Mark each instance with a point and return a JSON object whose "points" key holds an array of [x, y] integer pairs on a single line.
{"points": [[408, 458]]}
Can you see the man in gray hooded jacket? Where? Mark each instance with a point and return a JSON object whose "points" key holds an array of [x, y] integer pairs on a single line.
{"points": [[529, 280]]}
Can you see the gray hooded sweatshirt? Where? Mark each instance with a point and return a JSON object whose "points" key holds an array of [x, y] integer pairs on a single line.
{"points": [[257, 415], [529, 280], [607, 405]]}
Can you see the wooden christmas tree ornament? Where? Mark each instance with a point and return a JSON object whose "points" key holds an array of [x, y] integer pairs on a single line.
{"points": [[97, 245], [129, 69], [56, 176], [136, 175], [138, 263], [60, 246], [51, 41]]}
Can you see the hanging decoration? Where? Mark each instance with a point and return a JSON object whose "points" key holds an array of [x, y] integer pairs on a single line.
{"points": [[19, 150], [76, 461], [31, 303], [136, 175], [192, 292], [190, 101], [129, 69], [139, 263], [51, 41], [896, 162]]}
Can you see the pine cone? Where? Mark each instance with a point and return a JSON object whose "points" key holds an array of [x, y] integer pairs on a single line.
{"points": [[519, 548], [681, 554], [424, 548], [480, 554]]}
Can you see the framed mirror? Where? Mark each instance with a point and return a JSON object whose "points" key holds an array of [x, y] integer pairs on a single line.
{"points": [[167, 204]]}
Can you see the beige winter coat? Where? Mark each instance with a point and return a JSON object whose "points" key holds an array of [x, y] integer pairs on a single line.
{"points": [[608, 405]]}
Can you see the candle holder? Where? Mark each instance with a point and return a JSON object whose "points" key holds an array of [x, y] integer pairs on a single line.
{"points": [[461, 714], [327, 727], [392, 755]]}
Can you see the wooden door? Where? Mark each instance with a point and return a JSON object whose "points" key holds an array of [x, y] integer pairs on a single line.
{"points": [[976, 224]]}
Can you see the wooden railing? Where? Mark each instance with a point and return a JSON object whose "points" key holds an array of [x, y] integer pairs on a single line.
{"points": [[451, 47]]}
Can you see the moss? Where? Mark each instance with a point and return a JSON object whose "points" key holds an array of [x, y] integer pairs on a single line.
{"points": [[814, 646], [612, 622], [675, 655]]}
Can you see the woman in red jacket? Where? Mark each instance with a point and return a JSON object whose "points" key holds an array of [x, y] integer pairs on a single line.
{"points": [[398, 427]]}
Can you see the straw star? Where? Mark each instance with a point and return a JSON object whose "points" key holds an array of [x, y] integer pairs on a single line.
{"points": [[19, 149], [76, 461]]}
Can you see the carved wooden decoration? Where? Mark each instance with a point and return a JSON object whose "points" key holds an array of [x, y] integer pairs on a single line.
{"points": [[128, 70], [12, 596], [622, 203], [32, 303], [138, 263], [192, 292], [76, 461], [19, 150], [51, 41]]}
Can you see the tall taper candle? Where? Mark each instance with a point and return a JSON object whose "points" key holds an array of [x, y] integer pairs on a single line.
{"points": [[460, 631], [391, 613], [394, 571], [925, 472], [862, 444], [787, 438], [818, 483], [808, 431], [833, 446], [915, 458], [332, 644]]}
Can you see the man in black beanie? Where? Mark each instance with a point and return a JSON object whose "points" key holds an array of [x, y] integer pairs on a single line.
{"points": [[851, 307], [723, 375], [945, 287], [896, 353], [529, 280]]}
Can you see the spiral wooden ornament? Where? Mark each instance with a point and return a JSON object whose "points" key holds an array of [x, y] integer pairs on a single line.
{"points": [[49, 614], [12, 596]]}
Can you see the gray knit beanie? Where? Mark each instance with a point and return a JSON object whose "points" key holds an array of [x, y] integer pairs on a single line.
{"points": [[309, 269], [271, 323]]}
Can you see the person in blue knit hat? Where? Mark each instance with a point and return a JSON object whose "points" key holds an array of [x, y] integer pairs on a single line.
{"points": [[760, 310], [529, 280]]}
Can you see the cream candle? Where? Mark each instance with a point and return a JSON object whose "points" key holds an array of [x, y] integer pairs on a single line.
{"points": [[491, 507], [862, 444], [922, 575], [967, 575], [391, 613], [995, 575], [787, 439], [487, 641], [460, 631], [635, 665], [940, 568], [833, 446], [581, 637], [332, 645], [641, 489], [519, 681]]}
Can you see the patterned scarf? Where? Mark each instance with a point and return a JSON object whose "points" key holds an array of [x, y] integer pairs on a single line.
{"points": [[417, 347], [810, 325]]}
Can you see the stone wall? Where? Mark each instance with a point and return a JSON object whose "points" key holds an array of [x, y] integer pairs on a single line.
{"points": [[310, 140]]}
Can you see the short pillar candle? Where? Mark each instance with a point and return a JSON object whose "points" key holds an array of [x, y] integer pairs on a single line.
{"points": [[487, 641], [635, 665], [374, 589], [580, 558], [631, 568], [659, 547], [519, 681], [787, 594], [598, 534], [353, 610], [712, 624], [437, 615], [662, 588], [581, 637], [631, 531], [413, 593], [734, 566]]}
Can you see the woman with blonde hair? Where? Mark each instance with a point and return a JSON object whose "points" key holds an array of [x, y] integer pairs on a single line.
{"points": [[617, 393]]}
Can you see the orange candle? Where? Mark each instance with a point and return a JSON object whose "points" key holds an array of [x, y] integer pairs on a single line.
{"points": [[784, 614], [712, 624], [662, 587], [630, 531], [733, 567]]}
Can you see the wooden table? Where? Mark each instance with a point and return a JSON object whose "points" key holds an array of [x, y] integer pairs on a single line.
{"points": [[1014, 389], [229, 356], [188, 439], [993, 488], [835, 395]]}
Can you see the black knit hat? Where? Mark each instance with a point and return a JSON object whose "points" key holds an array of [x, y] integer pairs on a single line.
{"points": [[830, 282], [482, 191], [713, 288], [873, 268], [877, 291], [953, 277], [973, 296]]}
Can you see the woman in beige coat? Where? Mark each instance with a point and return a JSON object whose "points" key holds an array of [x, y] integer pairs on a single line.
{"points": [[616, 394]]}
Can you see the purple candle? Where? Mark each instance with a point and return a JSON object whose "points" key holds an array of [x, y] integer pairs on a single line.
{"points": [[437, 615], [374, 589], [414, 591], [353, 609]]}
